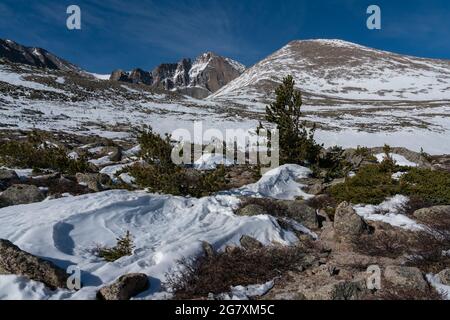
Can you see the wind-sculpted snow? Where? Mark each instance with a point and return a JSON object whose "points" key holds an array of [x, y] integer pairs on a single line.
{"points": [[165, 229]]}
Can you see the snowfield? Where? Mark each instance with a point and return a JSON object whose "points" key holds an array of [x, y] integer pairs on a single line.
{"points": [[165, 229]]}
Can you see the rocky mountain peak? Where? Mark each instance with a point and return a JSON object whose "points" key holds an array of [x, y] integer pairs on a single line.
{"points": [[33, 56], [207, 74]]}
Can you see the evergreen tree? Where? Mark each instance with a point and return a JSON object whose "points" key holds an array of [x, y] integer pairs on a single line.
{"points": [[297, 144]]}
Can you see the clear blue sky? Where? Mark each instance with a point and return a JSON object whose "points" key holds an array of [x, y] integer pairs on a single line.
{"points": [[143, 33]]}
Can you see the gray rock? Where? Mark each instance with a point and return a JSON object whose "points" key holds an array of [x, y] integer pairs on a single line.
{"points": [[91, 180], [21, 194], [208, 249], [430, 213], [301, 213], [13, 260], [250, 243], [252, 210], [444, 276], [405, 277], [8, 175], [125, 287], [114, 153], [347, 224]]}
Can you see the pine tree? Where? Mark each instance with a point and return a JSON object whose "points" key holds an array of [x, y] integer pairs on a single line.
{"points": [[297, 144]]}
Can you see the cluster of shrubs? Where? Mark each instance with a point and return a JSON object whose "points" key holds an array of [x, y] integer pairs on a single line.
{"points": [[159, 174], [218, 273], [36, 153], [372, 184]]}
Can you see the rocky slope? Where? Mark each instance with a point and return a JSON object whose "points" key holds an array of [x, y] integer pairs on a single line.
{"points": [[199, 78], [37, 57], [329, 69]]}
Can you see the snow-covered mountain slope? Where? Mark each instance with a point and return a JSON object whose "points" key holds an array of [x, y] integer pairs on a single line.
{"points": [[340, 69], [165, 228], [56, 100]]}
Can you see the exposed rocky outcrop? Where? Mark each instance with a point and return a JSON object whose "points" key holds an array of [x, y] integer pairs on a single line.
{"points": [[15, 261], [405, 277], [126, 287], [250, 243], [22, 194], [7, 178], [347, 224], [207, 74]]}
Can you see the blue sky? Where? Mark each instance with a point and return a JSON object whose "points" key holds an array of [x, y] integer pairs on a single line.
{"points": [[143, 33]]}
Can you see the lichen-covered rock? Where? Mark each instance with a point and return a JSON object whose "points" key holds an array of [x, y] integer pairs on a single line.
{"points": [[405, 277], [444, 276], [13, 260], [125, 287], [347, 223], [21, 194], [250, 243], [252, 210], [428, 214]]}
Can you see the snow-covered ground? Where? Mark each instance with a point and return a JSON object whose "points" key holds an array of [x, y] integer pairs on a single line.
{"points": [[165, 229], [389, 213]]}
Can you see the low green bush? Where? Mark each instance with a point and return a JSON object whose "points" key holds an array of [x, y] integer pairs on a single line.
{"points": [[432, 187], [371, 185], [35, 153], [124, 247]]}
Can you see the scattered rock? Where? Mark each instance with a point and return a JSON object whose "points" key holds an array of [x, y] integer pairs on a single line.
{"points": [[405, 277], [21, 194], [13, 260], [347, 223], [114, 153], [125, 287], [302, 213], [208, 249], [94, 181], [444, 276], [427, 214], [250, 243], [7, 177], [252, 210]]}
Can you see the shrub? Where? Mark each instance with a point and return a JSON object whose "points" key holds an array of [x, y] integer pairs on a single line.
{"points": [[382, 244], [240, 267], [391, 292], [160, 174], [124, 247], [427, 245], [371, 185], [24, 154], [334, 164], [432, 187]]}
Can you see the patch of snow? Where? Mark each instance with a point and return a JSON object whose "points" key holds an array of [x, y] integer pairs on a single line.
{"points": [[103, 161], [247, 292], [398, 175], [14, 287], [127, 178], [17, 80], [279, 183], [438, 285], [100, 76], [301, 228], [73, 155], [399, 159], [210, 161], [391, 208], [165, 229]]}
